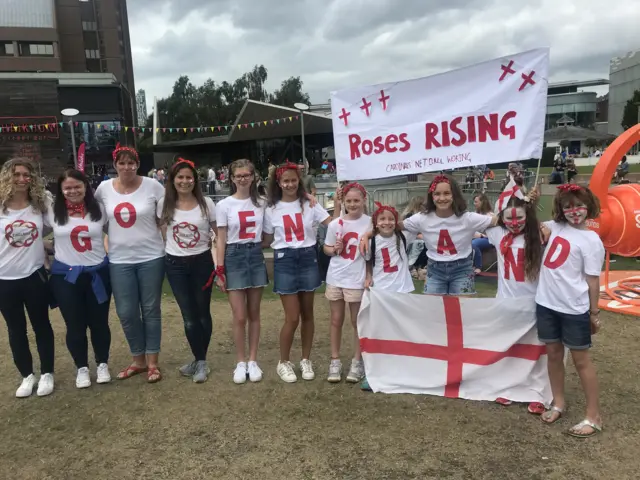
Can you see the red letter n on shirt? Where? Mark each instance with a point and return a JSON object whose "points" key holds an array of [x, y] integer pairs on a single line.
{"points": [[245, 224], [515, 265], [291, 228]]}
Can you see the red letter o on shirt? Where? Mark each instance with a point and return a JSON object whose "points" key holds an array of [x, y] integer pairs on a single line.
{"points": [[80, 244], [117, 214]]}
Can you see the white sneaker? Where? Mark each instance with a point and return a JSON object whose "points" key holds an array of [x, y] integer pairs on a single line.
{"points": [[45, 385], [307, 369], [335, 371], [82, 379], [255, 373], [240, 373], [26, 387], [286, 372], [356, 372], [103, 373]]}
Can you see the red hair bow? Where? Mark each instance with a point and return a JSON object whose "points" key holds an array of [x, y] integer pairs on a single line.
{"points": [[283, 168], [132, 151], [569, 187], [384, 208], [182, 160], [436, 181], [348, 187]]}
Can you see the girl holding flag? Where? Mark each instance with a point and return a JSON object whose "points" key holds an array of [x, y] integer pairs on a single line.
{"points": [[346, 277]]}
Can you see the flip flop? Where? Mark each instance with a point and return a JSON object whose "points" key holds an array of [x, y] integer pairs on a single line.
{"points": [[585, 423], [536, 408], [503, 401], [130, 371], [558, 410], [153, 375]]}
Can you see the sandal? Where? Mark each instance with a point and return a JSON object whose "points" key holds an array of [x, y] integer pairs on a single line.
{"points": [[130, 371], [595, 429], [548, 414], [503, 401], [536, 408], [153, 375]]}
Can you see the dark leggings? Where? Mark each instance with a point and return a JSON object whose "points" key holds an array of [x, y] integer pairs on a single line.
{"points": [[187, 277], [81, 310], [33, 293]]}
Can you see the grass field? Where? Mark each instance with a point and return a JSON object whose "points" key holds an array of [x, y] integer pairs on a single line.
{"points": [[309, 430]]}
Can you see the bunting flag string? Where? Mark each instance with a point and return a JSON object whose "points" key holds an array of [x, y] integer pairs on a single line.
{"points": [[112, 126]]}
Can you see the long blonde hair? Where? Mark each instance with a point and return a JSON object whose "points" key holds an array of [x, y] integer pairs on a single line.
{"points": [[38, 197]]}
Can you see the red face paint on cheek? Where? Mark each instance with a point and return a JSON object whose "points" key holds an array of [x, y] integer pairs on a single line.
{"points": [[514, 224]]}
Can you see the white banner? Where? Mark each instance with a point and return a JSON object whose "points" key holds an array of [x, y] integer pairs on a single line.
{"points": [[473, 348], [487, 113]]}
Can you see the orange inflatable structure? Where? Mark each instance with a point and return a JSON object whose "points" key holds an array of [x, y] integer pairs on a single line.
{"points": [[619, 222]]}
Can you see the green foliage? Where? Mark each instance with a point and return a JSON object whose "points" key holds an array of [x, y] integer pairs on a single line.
{"points": [[213, 103], [591, 142], [630, 112], [565, 143]]}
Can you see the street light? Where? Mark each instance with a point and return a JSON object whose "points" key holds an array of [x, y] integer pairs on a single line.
{"points": [[302, 107], [72, 112]]}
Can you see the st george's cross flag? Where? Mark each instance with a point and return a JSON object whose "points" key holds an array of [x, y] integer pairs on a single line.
{"points": [[472, 348], [509, 191]]}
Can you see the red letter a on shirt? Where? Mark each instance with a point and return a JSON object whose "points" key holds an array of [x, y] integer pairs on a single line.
{"points": [[446, 244], [293, 228]]}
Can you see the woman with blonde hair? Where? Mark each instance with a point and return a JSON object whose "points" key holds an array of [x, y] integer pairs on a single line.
{"points": [[23, 278]]}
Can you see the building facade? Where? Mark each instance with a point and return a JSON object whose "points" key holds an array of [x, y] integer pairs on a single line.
{"points": [[566, 99], [141, 104], [68, 36], [624, 75]]}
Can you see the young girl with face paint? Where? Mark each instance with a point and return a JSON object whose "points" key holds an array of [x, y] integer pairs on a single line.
{"points": [[289, 227], [567, 300], [346, 276], [447, 229], [388, 262], [519, 253]]}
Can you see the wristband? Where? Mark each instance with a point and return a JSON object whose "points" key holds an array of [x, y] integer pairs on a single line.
{"points": [[220, 270]]}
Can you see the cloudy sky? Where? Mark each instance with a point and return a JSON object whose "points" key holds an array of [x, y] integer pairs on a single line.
{"points": [[333, 44]]}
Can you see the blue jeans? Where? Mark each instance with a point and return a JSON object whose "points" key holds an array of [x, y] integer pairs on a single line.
{"points": [[574, 331], [137, 291], [450, 278], [187, 277], [479, 245], [295, 270]]}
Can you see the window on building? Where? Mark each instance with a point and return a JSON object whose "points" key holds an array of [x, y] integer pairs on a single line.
{"points": [[93, 65], [89, 26], [92, 53], [36, 49], [6, 50]]}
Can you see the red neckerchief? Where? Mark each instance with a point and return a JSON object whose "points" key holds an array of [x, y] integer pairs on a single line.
{"points": [[75, 208], [507, 241]]}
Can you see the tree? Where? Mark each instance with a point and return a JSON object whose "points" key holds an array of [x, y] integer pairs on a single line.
{"points": [[630, 112], [565, 143], [290, 92], [591, 142]]}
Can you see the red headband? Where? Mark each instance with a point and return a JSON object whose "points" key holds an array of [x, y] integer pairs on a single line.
{"points": [[182, 160], [283, 168], [569, 187], [384, 208], [436, 181], [348, 187], [130, 150]]}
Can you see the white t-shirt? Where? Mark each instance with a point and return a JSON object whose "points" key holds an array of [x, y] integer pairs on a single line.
{"points": [[391, 268], [80, 240], [570, 256], [242, 218], [447, 239], [512, 281], [21, 248], [349, 269], [189, 233], [291, 226], [134, 236]]}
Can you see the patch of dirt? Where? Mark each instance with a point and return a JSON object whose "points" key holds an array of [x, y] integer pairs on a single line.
{"points": [[309, 430]]}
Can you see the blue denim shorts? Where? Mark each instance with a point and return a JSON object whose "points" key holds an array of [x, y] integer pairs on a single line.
{"points": [[244, 266], [295, 270], [450, 278], [574, 331]]}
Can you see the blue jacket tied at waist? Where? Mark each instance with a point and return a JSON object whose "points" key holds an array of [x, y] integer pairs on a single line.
{"points": [[71, 274]]}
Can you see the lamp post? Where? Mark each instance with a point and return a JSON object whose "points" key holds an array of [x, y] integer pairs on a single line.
{"points": [[302, 107], [72, 112]]}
